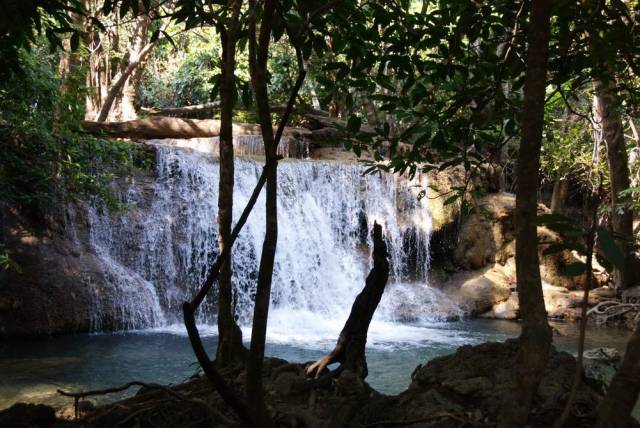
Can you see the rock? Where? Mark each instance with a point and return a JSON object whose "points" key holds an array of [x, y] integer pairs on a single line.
{"points": [[489, 236], [631, 295], [476, 246], [507, 310], [485, 372], [601, 363], [604, 292], [27, 416], [478, 292], [468, 386]]}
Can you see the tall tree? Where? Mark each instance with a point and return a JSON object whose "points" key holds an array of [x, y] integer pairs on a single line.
{"points": [[535, 338], [258, 57], [608, 107], [230, 347]]}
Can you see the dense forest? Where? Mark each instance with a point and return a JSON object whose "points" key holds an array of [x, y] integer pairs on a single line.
{"points": [[233, 213]]}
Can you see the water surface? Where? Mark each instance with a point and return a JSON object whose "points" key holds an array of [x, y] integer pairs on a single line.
{"points": [[32, 369]]}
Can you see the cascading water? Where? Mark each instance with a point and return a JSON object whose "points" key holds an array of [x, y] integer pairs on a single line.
{"points": [[166, 241]]}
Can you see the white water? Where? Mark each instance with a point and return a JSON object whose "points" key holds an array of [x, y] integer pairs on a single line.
{"points": [[163, 244]]}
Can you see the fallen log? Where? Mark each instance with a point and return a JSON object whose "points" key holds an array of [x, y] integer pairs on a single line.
{"points": [[160, 127]]}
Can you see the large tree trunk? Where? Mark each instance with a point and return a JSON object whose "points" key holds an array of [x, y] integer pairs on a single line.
{"points": [[230, 348], [622, 395], [123, 85], [350, 348], [621, 215], [535, 339]]}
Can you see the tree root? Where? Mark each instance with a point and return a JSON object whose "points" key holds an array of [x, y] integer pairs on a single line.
{"points": [[209, 410], [613, 308]]}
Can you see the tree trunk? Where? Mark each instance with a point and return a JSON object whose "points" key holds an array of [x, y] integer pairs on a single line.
{"points": [[622, 395], [559, 195], [230, 348], [621, 215], [140, 47], [350, 348], [258, 56], [535, 338]]}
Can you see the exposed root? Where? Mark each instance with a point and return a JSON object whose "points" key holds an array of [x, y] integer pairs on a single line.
{"points": [[604, 311], [317, 367], [210, 411]]}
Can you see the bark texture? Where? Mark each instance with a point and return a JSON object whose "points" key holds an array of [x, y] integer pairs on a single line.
{"points": [[618, 161], [535, 338], [230, 348], [559, 195], [124, 83], [258, 56]]}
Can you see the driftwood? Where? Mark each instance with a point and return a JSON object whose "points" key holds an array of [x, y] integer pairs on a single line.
{"points": [[349, 351], [172, 127]]}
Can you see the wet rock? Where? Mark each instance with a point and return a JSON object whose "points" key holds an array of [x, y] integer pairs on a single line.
{"points": [[27, 416]]}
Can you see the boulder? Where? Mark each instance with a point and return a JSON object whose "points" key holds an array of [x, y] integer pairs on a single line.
{"points": [[488, 235], [28, 416], [478, 379], [478, 292]]}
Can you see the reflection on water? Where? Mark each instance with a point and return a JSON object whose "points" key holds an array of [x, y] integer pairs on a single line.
{"points": [[32, 369]]}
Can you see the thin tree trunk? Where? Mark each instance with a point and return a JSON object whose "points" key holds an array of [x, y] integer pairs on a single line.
{"points": [[350, 348], [577, 379], [559, 195], [230, 348], [622, 395], [621, 215], [258, 56], [535, 338]]}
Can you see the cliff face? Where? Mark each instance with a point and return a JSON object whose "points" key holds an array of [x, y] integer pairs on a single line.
{"points": [[49, 290]]}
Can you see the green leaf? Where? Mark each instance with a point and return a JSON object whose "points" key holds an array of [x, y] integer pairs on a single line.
{"points": [[451, 199], [575, 269], [611, 251]]}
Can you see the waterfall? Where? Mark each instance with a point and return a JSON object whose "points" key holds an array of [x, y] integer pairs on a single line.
{"points": [[243, 145], [166, 240]]}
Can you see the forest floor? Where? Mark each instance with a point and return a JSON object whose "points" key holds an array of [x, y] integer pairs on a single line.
{"points": [[465, 389]]}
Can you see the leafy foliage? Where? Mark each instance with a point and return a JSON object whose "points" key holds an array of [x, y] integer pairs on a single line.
{"points": [[44, 154]]}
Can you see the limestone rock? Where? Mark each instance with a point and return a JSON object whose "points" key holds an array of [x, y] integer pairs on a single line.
{"points": [[479, 291]]}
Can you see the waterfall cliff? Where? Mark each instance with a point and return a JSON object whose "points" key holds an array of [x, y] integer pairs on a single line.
{"points": [[164, 242]]}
